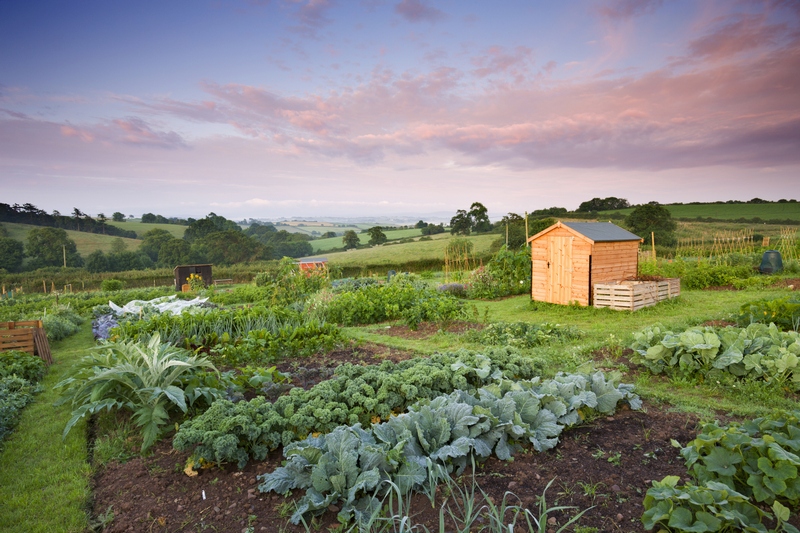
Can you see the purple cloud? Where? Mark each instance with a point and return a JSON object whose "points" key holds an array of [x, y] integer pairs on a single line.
{"points": [[417, 11]]}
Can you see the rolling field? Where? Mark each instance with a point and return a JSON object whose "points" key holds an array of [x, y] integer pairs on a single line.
{"points": [[396, 254], [788, 210], [392, 235], [140, 227], [86, 242]]}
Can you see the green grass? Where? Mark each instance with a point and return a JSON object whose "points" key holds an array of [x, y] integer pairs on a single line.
{"points": [[396, 254], [44, 480], [140, 227], [86, 242], [788, 210], [336, 242]]}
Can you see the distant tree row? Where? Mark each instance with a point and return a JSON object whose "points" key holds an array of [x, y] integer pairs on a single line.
{"points": [[150, 218]]}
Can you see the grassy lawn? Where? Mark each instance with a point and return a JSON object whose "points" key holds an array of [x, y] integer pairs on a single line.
{"points": [[44, 480], [86, 242]]}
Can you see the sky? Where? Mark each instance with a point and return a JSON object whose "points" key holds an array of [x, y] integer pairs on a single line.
{"points": [[362, 108]]}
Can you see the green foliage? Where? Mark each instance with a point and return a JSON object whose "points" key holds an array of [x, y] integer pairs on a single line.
{"points": [[15, 393], [603, 204], [755, 352], [112, 285], [414, 451], [461, 223], [289, 284], [737, 468], [12, 253], [47, 246], [376, 235], [783, 312], [405, 297], [350, 240], [21, 364], [142, 378], [61, 322], [653, 218], [522, 334], [758, 458], [701, 274], [230, 432], [507, 272]]}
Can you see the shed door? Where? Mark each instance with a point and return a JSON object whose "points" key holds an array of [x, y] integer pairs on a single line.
{"points": [[559, 270]]}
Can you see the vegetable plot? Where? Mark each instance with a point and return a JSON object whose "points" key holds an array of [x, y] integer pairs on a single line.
{"points": [[755, 352], [355, 467]]}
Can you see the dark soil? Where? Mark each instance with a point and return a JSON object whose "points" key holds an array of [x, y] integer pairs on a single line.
{"points": [[792, 284], [606, 465]]}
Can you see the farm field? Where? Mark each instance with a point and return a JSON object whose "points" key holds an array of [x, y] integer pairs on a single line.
{"points": [[400, 253], [603, 464], [391, 235], [787, 210], [142, 227], [85, 242]]}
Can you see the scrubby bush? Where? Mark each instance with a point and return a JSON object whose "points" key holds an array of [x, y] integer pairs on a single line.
{"points": [[111, 285], [21, 364]]}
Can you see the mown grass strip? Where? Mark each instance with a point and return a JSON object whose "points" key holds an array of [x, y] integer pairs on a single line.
{"points": [[44, 480]]}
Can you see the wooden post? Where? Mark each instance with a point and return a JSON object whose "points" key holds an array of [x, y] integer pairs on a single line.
{"points": [[653, 242], [44, 286], [526, 227], [64, 247], [506, 234]]}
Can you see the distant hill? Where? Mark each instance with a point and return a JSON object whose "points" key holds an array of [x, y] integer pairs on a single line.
{"points": [[86, 242], [788, 211], [142, 227]]}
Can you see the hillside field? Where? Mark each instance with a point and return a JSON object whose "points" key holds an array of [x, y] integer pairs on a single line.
{"points": [[141, 228], [86, 242], [788, 210], [336, 242]]}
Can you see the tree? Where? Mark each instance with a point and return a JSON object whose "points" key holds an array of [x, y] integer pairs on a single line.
{"points": [[210, 224], [603, 204], [97, 262], [376, 235], [118, 217], [174, 252], [12, 253], [152, 241], [655, 218], [149, 218], [350, 240], [229, 247], [461, 223], [47, 247], [479, 217], [328, 235], [514, 225], [102, 218], [421, 224], [118, 246], [433, 229]]}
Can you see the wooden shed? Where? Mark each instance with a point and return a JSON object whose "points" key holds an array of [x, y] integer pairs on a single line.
{"points": [[182, 272], [568, 258]]}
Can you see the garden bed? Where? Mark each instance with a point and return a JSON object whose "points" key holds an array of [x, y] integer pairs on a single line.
{"points": [[632, 295], [608, 464]]}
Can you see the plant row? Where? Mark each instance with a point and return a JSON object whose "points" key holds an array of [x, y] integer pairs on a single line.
{"points": [[355, 467], [236, 432], [19, 374], [735, 468], [783, 312], [522, 334], [755, 352], [154, 381], [405, 298]]}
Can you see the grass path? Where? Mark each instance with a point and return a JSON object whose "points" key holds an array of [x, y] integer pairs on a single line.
{"points": [[44, 480]]}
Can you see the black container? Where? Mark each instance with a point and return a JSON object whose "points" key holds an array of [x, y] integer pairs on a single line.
{"points": [[771, 262]]}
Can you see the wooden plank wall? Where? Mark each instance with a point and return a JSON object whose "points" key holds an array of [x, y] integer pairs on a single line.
{"points": [[541, 280], [614, 261]]}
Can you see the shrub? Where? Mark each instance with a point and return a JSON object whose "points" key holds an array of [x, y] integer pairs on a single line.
{"points": [[112, 285], [522, 334], [507, 272], [783, 312], [459, 290], [15, 394]]}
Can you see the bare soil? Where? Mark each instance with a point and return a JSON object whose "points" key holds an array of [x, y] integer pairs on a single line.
{"points": [[605, 465]]}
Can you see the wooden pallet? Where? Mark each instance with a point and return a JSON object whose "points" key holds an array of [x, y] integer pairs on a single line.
{"points": [[26, 336], [634, 295]]}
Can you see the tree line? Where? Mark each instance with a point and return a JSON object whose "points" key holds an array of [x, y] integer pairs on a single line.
{"points": [[79, 221]]}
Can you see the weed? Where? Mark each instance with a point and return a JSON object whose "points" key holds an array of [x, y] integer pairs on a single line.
{"points": [[599, 454], [285, 509], [615, 459]]}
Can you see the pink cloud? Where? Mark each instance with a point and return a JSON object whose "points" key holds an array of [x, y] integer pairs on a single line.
{"points": [[498, 60], [417, 11], [736, 35], [627, 9]]}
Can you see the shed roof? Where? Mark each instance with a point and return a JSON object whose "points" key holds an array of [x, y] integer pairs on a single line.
{"points": [[312, 260], [593, 231]]}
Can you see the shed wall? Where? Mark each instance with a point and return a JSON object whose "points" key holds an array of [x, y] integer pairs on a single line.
{"points": [[614, 261]]}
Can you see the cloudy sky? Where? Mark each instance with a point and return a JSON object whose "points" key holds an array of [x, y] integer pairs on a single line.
{"points": [[271, 108]]}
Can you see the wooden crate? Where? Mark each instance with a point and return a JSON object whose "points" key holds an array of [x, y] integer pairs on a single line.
{"points": [[28, 336], [634, 295]]}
